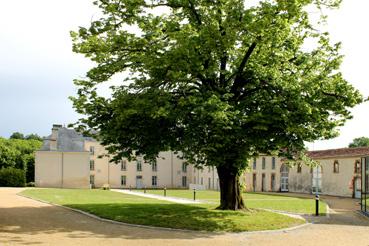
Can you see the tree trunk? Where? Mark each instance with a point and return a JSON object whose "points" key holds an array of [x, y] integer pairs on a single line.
{"points": [[230, 190]]}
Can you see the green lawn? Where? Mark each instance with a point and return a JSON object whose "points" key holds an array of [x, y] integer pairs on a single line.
{"points": [[145, 211], [254, 200]]}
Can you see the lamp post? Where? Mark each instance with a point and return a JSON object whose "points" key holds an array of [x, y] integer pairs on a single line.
{"points": [[194, 194], [165, 191]]}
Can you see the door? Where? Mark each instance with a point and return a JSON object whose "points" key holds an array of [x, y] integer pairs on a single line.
{"points": [[284, 178], [139, 183], [317, 180], [357, 190], [272, 182], [254, 182], [263, 182]]}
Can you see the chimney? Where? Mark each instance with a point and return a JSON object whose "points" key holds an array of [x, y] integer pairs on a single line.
{"points": [[54, 136], [54, 131]]}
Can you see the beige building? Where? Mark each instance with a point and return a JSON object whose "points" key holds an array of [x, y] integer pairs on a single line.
{"points": [[69, 160], [339, 173]]}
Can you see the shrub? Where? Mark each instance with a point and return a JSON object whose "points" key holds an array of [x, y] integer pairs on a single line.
{"points": [[12, 177]]}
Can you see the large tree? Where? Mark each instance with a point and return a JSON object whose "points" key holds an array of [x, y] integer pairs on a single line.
{"points": [[219, 81], [359, 142]]}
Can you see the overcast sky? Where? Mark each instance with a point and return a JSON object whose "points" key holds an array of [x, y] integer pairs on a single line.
{"points": [[37, 65]]}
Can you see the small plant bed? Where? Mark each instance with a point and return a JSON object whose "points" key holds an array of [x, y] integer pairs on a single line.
{"points": [[280, 202], [152, 212]]}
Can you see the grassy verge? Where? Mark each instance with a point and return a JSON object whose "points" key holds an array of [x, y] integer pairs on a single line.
{"points": [[254, 200], [144, 211]]}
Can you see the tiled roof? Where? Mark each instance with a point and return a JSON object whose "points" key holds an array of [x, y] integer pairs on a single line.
{"points": [[344, 152]]}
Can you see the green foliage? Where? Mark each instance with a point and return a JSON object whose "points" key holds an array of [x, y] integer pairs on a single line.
{"points": [[19, 154], [33, 137], [359, 142], [17, 135], [12, 177], [219, 81]]}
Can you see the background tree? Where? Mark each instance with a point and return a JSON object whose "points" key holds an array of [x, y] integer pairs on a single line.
{"points": [[219, 81], [33, 137], [19, 154], [17, 135], [359, 142]]}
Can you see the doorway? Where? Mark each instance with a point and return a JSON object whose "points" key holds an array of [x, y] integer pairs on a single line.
{"points": [[139, 183], [272, 182], [263, 182], [357, 187], [284, 178], [254, 182], [317, 180]]}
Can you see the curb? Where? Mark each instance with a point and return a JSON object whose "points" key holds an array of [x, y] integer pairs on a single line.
{"points": [[166, 228]]}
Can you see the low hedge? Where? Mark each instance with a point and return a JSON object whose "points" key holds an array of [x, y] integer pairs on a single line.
{"points": [[12, 177]]}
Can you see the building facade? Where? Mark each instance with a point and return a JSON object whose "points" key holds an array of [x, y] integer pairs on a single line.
{"points": [[70, 160]]}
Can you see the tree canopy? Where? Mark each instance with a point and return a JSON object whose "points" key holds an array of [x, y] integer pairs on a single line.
{"points": [[359, 142], [220, 81], [19, 154], [18, 135]]}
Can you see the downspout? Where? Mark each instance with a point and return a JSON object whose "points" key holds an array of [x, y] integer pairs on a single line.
{"points": [[108, 172], [62, 170], [171, 165], [213, 178]]}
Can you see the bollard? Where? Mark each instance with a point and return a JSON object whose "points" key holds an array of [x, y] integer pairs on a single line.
{"points": [[316, 205], [130, 188], [145, 189], [194, 194], [165, 191]]}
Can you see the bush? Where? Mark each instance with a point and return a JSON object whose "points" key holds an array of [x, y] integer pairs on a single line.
{"points": [[12, 177], [30, 184]]}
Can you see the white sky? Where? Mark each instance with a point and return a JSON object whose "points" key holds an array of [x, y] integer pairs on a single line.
{"points": [[37, 65]]}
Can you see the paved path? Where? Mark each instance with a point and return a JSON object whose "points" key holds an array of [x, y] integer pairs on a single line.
{"points": [[164, 198], [27, 222]]}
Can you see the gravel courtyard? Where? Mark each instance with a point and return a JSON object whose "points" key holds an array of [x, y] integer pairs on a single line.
{"points": [[27, 222]]}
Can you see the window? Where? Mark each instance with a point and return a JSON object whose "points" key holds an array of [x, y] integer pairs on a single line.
{"points": [[254, 164], [92, 165], [209, 183], [357, 167], [208, 169], [184, 181], [154, 166], [194, 180], [184, 167], [123, 180], [299, 168], [92, 150], [92, 180], [202, 181], [263, 163], [139, 165], [123, 165], [273, 162], [336, 167], [154, 180]]}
